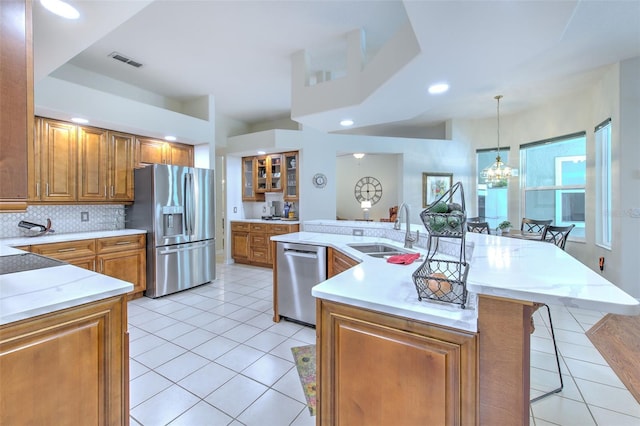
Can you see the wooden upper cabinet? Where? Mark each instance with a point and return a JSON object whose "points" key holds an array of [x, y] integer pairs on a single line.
{"points": [[154, 151], [16, 101], [120, 166], [291, 162], [150, 151], [180, 154], [92, 164], [53, 161]]}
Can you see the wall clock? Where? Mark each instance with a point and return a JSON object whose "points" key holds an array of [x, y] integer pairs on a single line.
{"points": [[368, 188], [319, 180]]}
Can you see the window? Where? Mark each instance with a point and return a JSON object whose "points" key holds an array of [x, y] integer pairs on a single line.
{"points": [[603, 183], [553, 180], [492, 201]]}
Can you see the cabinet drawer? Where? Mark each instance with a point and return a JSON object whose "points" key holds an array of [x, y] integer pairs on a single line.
{"points": [[66, 250], [240, 226], [283, 229], [260, 255], [124, 242], [259, 227], [258, 240]]}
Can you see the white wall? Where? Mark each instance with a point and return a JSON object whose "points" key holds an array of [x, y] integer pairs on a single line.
{"points": [[617, 95], [349, 170]]}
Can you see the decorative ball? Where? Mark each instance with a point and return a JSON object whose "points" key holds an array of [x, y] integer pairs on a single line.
{"points": [[438, 287]]}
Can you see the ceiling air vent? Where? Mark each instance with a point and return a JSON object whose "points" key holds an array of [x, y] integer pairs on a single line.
{"points": [[122, 58]]}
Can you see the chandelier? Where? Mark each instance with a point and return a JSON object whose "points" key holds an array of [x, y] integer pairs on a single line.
{"points": [[496, 175]]}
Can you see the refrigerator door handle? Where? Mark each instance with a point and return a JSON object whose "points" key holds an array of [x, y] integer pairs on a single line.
{"points": [[186, 203]]}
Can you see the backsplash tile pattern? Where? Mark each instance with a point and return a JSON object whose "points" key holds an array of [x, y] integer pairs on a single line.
{"points": [[64, 219]]}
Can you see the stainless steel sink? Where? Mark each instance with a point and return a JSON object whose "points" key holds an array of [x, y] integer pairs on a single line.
{"points": [[386, 254], [378, 249], [375, 248]]}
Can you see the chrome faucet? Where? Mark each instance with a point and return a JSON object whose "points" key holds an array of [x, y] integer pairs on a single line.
{"points": [[408, 239]]}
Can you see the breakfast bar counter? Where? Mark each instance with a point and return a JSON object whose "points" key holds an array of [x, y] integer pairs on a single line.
{"points": [[449, 365]]}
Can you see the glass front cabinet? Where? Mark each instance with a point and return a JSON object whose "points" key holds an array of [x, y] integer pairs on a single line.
{"points": [[269, 173], [248, 179], [291, 176]]}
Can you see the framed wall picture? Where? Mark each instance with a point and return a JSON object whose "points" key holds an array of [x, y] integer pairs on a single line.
{"points": [[434, 185]]}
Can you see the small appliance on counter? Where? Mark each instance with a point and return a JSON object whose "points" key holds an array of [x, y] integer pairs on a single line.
{"points": [[36, 229]]}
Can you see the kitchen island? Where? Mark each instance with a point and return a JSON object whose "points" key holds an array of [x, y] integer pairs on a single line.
{"points": [[385, 356], [64, 354]]}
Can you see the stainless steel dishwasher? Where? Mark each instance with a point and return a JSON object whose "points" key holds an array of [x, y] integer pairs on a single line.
{"points": [[300, 267]]}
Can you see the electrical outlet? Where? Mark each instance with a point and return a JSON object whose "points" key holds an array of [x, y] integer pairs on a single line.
{"points": [[264, 209], [84, 216], [358, 232], [235, 210]]}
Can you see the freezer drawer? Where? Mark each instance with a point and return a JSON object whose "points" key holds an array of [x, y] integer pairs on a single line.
{"points": [[300, 267], [182, 266]]}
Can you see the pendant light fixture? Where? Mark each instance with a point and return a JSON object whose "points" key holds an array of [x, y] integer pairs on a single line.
{"points": [[496, 175]]}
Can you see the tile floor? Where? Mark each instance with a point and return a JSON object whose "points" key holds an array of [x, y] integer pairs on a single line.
{"points": [[213, 356]]}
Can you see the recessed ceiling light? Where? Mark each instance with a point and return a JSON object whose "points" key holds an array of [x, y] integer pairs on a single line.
{"points": [[346, 123], [358, 155], [60, 8], [79, 120], [436, 89], [262, 152], [170, 138]]}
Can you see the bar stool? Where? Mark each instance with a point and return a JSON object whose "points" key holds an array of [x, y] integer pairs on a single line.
{"points": [[533, 225], [478, 227], [558, 236]]}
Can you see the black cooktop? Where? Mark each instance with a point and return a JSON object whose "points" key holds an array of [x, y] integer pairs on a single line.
{"points": [[26, 262]]}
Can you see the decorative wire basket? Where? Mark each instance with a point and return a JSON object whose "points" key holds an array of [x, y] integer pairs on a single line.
{"points": [[442, 280], [449, 223], [438, 279]]}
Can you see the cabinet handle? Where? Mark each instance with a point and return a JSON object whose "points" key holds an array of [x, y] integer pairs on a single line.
{"points": [[101, 265], [38, 189], [105, 190], [66, 249], [121, 243], [112, 190], [47, 189]]}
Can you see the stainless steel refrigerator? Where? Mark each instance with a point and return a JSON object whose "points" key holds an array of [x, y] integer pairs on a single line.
{"points": [[175, 205]]}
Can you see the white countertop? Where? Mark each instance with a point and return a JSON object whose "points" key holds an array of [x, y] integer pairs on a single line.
{"points": [[500, 266], [273, 221], [28, 294], [58, 238]]}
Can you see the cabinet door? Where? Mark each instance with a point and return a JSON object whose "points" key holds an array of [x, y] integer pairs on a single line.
{"points": [[276, 175], [291, 176], [248, 179], [421, 374], [180, 154], [120, 166], [338, 262], [16, 101], [262, 170], [57, 143], [65, 366], [92, 164], [127, 266], [240, 246], [151, 151]]}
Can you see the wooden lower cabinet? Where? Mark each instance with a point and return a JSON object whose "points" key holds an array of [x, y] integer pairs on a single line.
{"points": [[240, 241], [378, 369], [338, 262], [123, 257], [251, 241], [67, 367], [127, 266]]}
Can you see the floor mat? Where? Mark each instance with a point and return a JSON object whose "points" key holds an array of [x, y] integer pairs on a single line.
{"points": [[305, 359]]}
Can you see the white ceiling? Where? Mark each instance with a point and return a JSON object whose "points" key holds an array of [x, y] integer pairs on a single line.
{"points": [[240, 52]]}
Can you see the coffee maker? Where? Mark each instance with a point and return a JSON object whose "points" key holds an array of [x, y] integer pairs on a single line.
{"points": [[275, 210]]}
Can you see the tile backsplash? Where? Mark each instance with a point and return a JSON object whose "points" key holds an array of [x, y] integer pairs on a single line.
{"points": [[64, 219]]}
